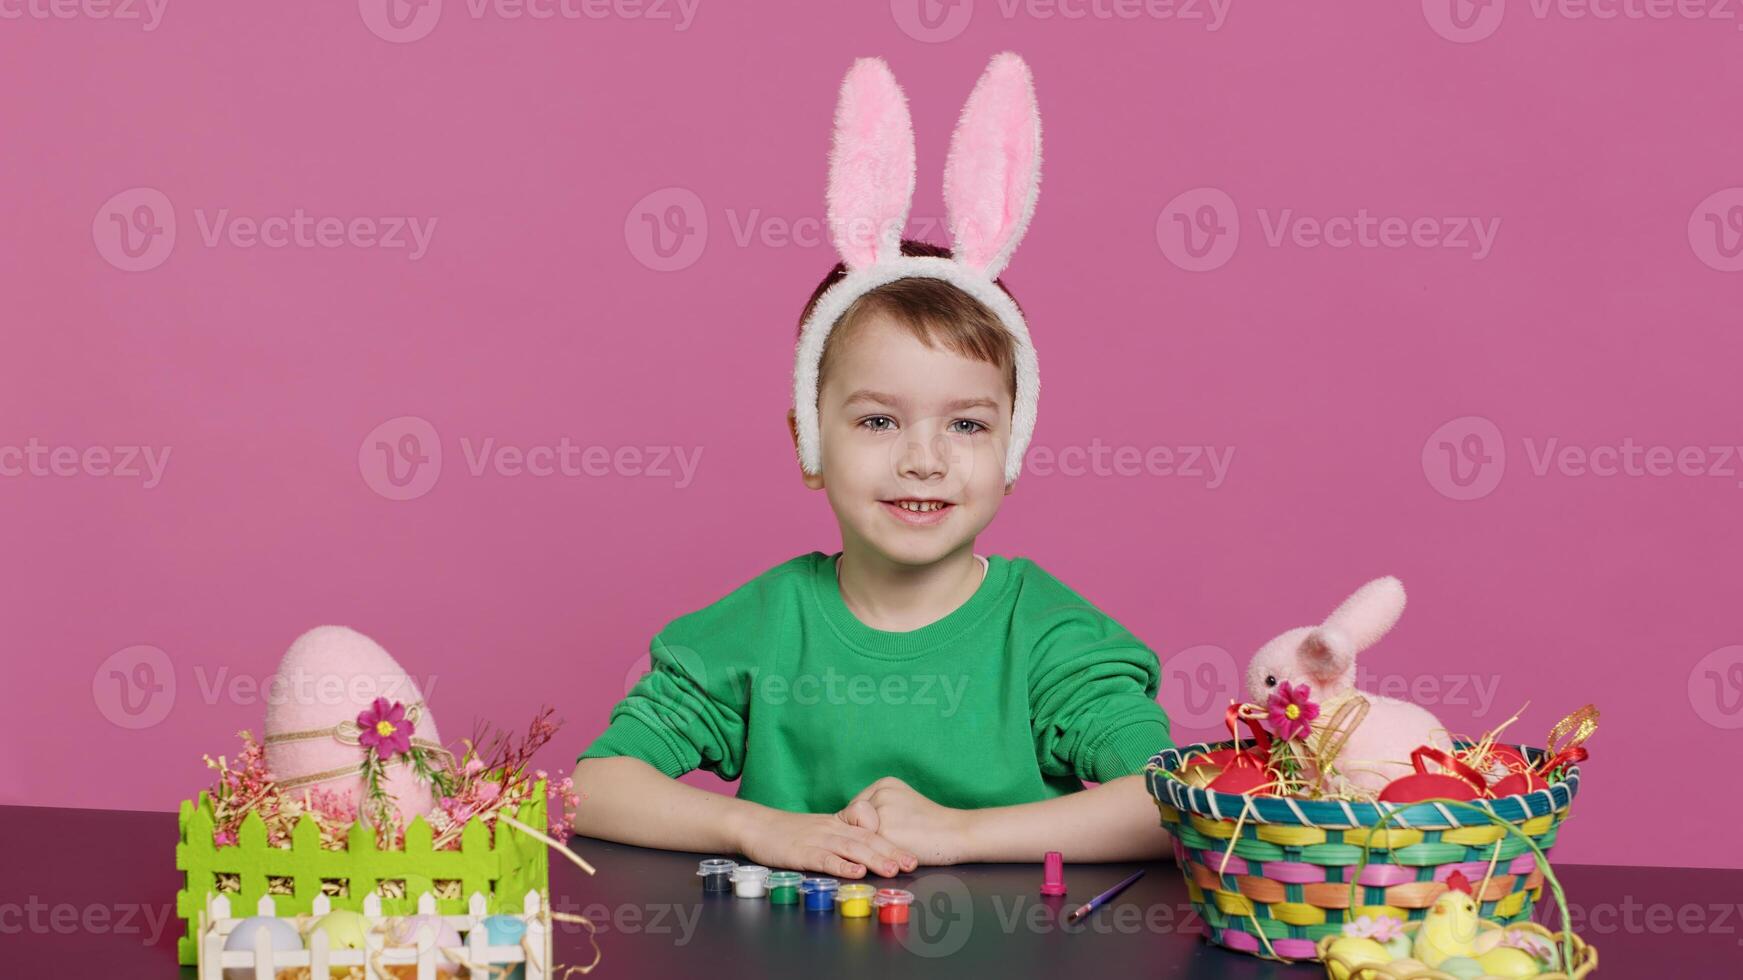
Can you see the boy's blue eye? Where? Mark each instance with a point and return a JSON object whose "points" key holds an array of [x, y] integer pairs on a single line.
{"points": [[977, 426], [876, 418]]}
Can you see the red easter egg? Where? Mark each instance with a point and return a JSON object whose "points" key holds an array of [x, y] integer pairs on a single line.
{"points": [[1420, 786], [1220, 758], [1242, 779], [1519, 783]]}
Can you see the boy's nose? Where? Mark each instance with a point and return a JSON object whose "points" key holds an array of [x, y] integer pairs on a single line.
{"points": [[923, 457]]}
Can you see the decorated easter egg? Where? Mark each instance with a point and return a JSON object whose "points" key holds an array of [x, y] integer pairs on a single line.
{"points": [[279, 936], [1348, 952], [328, 678], [1242, 779], [345, 929], [1398, 947], [421, 932], [1462, 967], [1486, 940], [1505, 961], [506, 930], [1419, 786], [1518, 783]]}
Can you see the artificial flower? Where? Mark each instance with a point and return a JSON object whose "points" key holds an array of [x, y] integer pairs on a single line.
{"points": [[1292, 711], [382, 727]]}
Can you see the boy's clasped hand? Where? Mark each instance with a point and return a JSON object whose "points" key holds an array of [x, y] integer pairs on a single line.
{"points": [[886, 829]]}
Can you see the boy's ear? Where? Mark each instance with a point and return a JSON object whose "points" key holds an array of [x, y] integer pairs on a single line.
{"points": [[814, 482]]}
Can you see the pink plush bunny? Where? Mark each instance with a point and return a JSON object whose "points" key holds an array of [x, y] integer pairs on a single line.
{"points": [[1324, 658]]}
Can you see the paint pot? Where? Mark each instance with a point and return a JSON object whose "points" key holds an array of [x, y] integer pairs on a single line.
{"points": [[784, 887], [748, 880], [892, 905], [716, 874], [854, 901], [819, 894]]}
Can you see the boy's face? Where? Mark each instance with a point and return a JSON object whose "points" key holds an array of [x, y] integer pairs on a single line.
{"points": [[901, 421]]}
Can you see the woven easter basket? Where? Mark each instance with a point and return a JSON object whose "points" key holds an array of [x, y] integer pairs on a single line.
{"points": [[1271, 875]]}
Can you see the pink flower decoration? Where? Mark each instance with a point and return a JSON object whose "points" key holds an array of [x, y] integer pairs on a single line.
{"points": [[382, 727], [1291, 711], [1534, 946], [1387, 929], [1380, 929]]}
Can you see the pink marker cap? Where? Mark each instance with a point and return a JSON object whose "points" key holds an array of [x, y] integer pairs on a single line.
{"points": [[1053, 874]]}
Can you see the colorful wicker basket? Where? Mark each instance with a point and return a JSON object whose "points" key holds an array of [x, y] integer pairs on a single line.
{"points": [[1271, 875]]}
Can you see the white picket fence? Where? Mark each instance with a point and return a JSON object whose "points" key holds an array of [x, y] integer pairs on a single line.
{"points": [[216, 924]]}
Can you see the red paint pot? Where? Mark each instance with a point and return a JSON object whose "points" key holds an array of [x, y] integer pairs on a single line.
{"points": [[892, 905]]}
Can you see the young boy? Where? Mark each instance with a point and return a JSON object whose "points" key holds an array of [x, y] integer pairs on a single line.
{"points": [[904, 701]]}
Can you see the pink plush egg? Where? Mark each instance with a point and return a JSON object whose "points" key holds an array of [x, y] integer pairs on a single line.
{"points": [[329, 676]]}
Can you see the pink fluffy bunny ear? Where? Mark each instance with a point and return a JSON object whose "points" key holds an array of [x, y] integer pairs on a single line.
{"points": [[993, 174], [1368, 614], [871, 166]]}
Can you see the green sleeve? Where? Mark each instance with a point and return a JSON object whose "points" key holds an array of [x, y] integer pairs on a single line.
{"points": [[1092, 697], [680, 716]]}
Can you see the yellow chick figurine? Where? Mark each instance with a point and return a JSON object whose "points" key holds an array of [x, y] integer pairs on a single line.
{"points": [[1450, 928]]}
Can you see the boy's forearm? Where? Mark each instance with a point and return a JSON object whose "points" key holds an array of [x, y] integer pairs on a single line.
{"points": [[1116, 821], [628, 801]]}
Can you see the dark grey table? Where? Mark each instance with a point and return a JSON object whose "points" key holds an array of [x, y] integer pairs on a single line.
{"points": [[106, 908]]}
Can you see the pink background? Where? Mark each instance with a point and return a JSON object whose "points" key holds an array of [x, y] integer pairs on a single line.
{"points": [[538, 314]]}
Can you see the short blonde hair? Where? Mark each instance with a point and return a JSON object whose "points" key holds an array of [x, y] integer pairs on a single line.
{"points": [[932, 310]]}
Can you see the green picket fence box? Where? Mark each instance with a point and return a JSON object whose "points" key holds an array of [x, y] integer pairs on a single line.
{"points": [[503, 870]]}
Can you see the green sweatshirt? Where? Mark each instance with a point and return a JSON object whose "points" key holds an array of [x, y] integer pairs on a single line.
{"points": [[1018, 695]]}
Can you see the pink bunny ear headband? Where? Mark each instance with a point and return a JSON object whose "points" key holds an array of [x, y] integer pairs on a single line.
{"points": [[991, 180]]}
